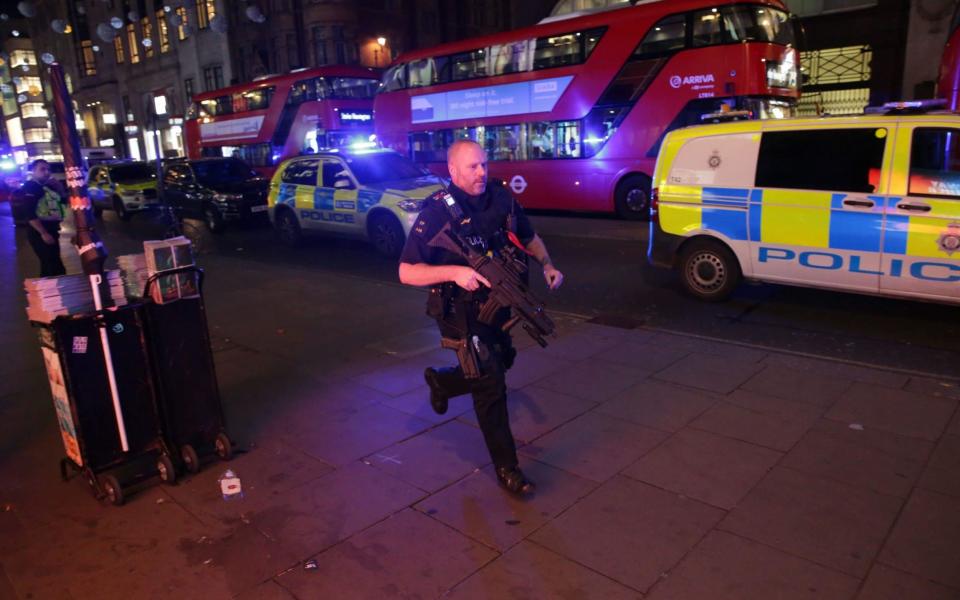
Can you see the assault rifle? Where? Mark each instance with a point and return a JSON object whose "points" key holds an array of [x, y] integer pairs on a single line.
{"points": [[505, 269]]}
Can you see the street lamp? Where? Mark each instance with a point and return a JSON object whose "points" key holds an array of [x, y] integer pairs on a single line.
{"points": [[381, 42]]}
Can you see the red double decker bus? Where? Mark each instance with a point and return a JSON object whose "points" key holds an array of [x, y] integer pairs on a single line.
{"points": [[273, 118], [572, 111]]}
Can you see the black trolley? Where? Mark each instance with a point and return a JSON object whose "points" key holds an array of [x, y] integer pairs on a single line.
{"points": [[191, 412], [92, 433]]}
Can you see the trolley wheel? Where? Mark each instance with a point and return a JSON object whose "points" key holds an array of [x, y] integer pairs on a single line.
{"points": [[224, 446], [190, 458], [165, 467], [111, 487]]}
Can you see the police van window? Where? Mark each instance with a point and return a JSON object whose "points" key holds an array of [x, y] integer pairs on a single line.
{"points": [[668, 35], [301, 172], [935, 162], [331, 170], [825, 159]]}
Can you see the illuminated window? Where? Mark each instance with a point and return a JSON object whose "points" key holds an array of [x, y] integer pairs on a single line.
{"points": [[88, 61], [22, 57], [32, 110], [15, 132], [206, 10], [33, 136], [118, 50], [133, 44], [29, 85], [147, 28], [182, 27], [163, 31]]}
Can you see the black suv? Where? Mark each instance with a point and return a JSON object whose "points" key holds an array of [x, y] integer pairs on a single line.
{"points": [[215, 189]]}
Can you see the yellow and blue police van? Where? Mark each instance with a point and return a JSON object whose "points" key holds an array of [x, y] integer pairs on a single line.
{"points": [[867, 204], [374, 194]]}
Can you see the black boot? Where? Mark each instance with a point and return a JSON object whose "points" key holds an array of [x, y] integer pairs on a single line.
{"points": [[514, 481], [444, 383]]}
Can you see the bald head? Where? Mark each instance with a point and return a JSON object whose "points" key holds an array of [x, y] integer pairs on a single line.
{"points": [[467, 163]]}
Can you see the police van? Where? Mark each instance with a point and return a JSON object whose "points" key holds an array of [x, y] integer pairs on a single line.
{"points": [[373, 194], [867, 204]]}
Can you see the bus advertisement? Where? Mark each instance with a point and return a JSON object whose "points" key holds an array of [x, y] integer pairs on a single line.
{"points": [[274, 118], [572, 111]]}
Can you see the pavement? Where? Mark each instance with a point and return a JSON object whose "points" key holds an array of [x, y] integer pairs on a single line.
{"points": [[668, 466]]}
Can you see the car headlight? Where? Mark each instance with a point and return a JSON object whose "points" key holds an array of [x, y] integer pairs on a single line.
{"points": [[227, 198], [409, 205]]}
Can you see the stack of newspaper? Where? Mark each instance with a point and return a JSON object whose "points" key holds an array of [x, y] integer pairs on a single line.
{"points": [[51, 297], [135, 274], [164, 255]]}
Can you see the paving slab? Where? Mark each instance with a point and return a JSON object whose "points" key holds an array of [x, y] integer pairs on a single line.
{"points": [[835, 525], [645, 356], [729, 567], [436, 458], [582, 344], [629, 531], [885, 583], [532, 365], [707, 467], [712, 373], [896, 411], [940, 388], [659, 405], [943, 473], [478, 507], [876, 460], [318, 514], [798, 385], [840, 369], [924, 540], [759, 419], [705, 346], [408, 555], [535, 411], [344, 436], [594, 446], [592, 380], [269, 590], [417, 403], [530, 571], [267, 472]]}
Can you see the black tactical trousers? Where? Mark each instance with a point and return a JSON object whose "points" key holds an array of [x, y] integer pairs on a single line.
{"points": [[49, 254], [489, 391]]}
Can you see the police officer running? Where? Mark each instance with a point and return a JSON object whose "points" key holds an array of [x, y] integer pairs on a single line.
{"points": [[457, 292], [43, 209]]}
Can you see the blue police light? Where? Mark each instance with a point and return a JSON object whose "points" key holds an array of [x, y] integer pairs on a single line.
{"points": [[363, 145]]}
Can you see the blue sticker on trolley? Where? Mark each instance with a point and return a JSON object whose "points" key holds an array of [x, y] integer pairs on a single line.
{"points": [[490, 101]]}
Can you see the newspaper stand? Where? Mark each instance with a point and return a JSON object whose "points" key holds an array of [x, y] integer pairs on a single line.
{"points": [[73, 354], [178, 337]]}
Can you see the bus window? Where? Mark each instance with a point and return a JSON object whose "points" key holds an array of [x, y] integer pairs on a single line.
{"points": [[568, 139], [541, 141], [505, 142], [349, 87], [394, 79], [512, 57], [422, 72], [430, 146], [253, 99], [740, 24], [469, 133], [557, 51], [668, 35], [469, 65]]}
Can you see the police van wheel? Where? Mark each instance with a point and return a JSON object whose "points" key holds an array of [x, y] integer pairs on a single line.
{"points": [[387, 235], [632, 198], [709, 270], [288, 229]]}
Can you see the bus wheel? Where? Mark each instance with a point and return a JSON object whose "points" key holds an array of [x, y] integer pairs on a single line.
{"points": [[386, 234], [287, 228], [709, 270], [632, 198]]}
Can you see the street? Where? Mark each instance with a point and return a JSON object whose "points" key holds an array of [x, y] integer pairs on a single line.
{"points": [[609, 280]]}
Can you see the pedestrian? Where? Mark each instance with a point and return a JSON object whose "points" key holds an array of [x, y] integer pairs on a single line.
{"points": [[457, 292], [43, 209]]}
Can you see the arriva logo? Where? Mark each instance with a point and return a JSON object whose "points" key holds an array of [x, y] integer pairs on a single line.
{"points": [[676, 81]]}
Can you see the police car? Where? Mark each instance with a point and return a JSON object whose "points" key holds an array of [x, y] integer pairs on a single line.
{"points": [[867, 204], [373, 194]]}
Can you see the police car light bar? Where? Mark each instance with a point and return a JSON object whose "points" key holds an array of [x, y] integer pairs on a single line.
{"points": [[912, 106]]}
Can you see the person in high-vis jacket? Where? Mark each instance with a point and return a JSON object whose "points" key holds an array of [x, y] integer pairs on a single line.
{"points": [[43, 209], [457, 292]]}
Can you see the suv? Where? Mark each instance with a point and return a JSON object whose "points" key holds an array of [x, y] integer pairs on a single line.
{"points": [[217, 190], [372, 194], [867, 204], [126, 188]]}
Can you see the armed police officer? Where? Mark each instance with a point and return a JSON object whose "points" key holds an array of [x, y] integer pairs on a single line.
{"points": [[457, 293]]}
